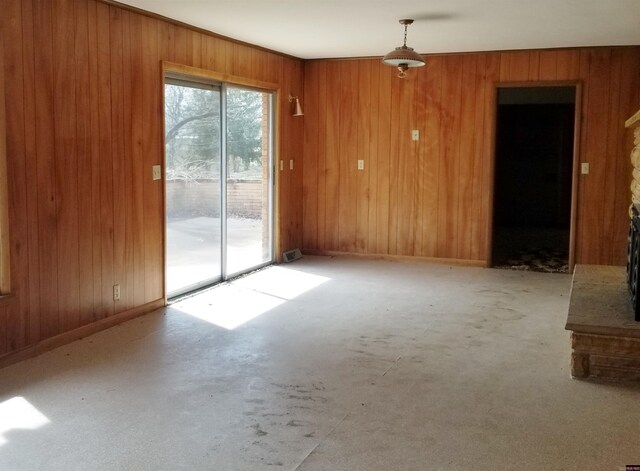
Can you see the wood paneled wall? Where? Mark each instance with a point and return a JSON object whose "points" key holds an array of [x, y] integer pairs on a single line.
{"points": [[432, 198], [84, 122]]}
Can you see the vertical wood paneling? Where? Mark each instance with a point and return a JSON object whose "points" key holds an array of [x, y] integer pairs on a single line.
{"points": [[432, 84], [321, 188], [66, 164], [433, 198], [332, 163], [580, 230], [370, 242], [384, 161], [311, 169], [448, 197], [363, 146], [534, 65], [293, 150], [83, 152], [46, 175], [567, 64], [127, 277], [406, 163], [104, 189], [118, 146], [548, 65], [84, 126], [195, 46], [95, 130], [283, 173], [152, 155], [596, 131], [31, 164], [466, 175], [397, 125], [614, 123], [348, 155], [5, 272], [15, 319], [490, 76], [136, 165]]}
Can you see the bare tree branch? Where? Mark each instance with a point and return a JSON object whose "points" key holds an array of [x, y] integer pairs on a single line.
{"points": [[173, 132]]}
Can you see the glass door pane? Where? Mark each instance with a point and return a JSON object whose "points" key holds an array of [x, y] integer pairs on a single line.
{"points": [[193, 186], [249, 176]]}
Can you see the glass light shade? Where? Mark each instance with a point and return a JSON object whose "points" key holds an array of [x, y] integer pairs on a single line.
{"points": [[404, 55]]}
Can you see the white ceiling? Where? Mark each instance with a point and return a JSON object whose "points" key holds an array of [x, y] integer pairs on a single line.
{"points": [[352, 28]]}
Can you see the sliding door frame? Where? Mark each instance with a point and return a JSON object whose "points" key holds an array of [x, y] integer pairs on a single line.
{"points": [[188, 74]]}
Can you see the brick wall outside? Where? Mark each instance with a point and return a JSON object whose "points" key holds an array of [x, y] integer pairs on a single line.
{"points": [[199, 199]]}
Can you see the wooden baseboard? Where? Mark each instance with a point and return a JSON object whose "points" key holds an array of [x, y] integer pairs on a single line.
{"points": [[404, 258], [77, 334]]}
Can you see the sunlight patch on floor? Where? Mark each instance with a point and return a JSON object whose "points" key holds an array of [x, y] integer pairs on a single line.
{"points": [[233, 304], [17, 413], [285, 283]]}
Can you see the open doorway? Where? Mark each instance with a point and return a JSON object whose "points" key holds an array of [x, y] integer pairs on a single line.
{"points": [[532, 206]]}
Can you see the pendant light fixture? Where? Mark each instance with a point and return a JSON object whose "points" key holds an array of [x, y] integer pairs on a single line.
{"points": [[404, 57]]}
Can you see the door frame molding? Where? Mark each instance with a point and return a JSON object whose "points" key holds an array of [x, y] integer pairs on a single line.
{"points": [[575, 180]]}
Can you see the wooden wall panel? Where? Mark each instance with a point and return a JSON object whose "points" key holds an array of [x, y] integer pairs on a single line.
{"points": [[371, 166], [5, 271], [66, 165], [363, 146], [84, 126], [14, 322], [433, 198], [310, 171]]}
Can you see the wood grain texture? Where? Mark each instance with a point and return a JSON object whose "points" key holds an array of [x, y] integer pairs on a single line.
{"points": [[5, 260], [433, 198], [84, 126]]}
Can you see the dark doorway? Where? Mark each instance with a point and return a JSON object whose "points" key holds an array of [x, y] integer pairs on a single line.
{"points": [[533, 178]]}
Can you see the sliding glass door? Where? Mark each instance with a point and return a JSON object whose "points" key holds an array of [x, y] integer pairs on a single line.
{"points": [[193, 152], [249, 186], [218, 170]]}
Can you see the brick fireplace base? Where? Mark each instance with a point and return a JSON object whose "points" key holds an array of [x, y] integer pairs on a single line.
{"points": [[605, 339]]}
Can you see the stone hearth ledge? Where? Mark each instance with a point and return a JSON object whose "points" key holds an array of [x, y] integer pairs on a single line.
{"points": [[605, 339]]}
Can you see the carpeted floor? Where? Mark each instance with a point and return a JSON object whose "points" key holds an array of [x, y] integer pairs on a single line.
{"points": [[326, 364]]}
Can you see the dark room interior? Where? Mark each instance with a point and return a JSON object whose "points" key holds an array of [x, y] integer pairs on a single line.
{"points": [[534, 154]]}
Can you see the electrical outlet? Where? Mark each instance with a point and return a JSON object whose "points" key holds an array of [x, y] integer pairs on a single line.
{"points": [[584, 168], [360, 164], [116, 292], [157, 172]]}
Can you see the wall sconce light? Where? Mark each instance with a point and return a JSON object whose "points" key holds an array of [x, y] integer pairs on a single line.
{"points": [[298, 108]]}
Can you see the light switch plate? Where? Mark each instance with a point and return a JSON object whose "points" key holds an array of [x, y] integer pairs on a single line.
{"points": [[584, 168], [290, 164], [415, 135], [157, 172], [360, 164]]}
